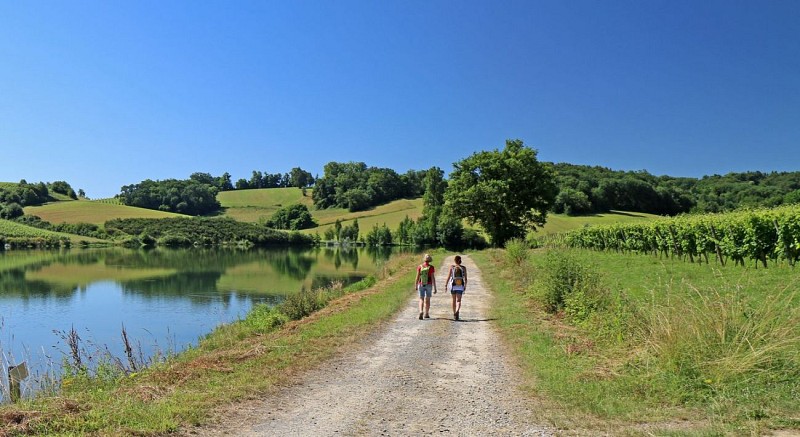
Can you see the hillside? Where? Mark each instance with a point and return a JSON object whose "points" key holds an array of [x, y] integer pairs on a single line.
{"points": [[252, 205], [87, 211], [557, 223], [259, 204], [18, 230]]}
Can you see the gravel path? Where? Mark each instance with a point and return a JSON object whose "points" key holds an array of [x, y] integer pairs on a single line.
{"points": [[415, 377]]}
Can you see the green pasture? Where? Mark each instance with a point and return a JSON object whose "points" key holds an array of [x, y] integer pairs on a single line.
{"points": [[557, 223], [260, 204], [391, 214], [86, 211]]}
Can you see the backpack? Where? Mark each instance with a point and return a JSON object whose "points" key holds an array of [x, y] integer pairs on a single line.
{"points": [[425, 274], [458, 276]]}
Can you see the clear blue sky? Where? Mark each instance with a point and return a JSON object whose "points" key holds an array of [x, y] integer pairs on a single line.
{"points": [[103, 94]]}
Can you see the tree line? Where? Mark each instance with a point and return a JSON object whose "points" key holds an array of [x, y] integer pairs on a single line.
{"points": [[586, 189], [506, 192]]}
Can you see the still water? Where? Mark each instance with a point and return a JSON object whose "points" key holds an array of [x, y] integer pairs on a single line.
{"points": [[165, 299]]}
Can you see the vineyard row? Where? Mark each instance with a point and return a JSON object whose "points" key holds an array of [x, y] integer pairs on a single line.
{"points": [[763, 235]]}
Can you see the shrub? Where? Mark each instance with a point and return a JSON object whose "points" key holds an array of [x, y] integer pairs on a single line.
{"points": [[264, 318], [174, 240], [299, 305], [564, 275], [517, 252]]}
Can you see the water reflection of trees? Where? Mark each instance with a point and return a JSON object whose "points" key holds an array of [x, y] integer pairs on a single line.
{"points": [[14, 285], [181, 283], [324, 281], [292, 262], [195, 270]]}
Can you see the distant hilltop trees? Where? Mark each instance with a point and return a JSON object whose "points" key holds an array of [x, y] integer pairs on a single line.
{"points": [[356, 186], [198, 194], [586, 189], [14, 197]]}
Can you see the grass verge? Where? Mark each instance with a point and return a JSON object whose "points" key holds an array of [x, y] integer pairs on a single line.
{"points": [[633, 345], [238, 361]]}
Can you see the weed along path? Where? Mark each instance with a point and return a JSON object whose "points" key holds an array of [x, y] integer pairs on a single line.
{"points": [[431, 376]]}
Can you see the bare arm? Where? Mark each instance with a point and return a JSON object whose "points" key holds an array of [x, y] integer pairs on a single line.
{"points": [[449, 272]]}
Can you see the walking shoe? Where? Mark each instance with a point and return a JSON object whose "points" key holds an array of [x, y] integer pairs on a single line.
{"points": [[427, 316], [420, 316], [456, 315]]}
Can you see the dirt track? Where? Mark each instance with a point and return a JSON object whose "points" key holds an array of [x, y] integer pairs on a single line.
{"points": [[415, 377]]}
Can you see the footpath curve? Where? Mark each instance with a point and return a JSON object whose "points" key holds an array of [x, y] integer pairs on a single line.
{"points": [[415, 376]]}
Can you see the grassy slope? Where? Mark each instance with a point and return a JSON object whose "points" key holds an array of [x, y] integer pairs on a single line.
{"points": [[253, 205], [260, 204], [86, 211], [557, 223], [13, 229]]}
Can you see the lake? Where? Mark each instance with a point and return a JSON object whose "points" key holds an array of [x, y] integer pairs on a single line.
{"points": [[165, 299]]}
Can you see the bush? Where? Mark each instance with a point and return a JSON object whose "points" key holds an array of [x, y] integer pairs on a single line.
{"points": [[517, 252], [11, 211], [302, 304], [567, 284], [173, 240], [264, 318]]}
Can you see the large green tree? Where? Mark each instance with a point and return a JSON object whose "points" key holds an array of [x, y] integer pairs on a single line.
{"points": [[506, 192]]}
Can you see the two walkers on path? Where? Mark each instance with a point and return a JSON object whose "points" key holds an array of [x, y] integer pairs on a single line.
{"points": [[425, 284]]}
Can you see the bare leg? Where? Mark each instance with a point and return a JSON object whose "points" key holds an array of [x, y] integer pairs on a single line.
{"points": [[427, 305]]}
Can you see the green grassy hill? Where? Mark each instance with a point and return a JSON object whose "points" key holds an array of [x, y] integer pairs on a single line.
{"points": [[557, 223], [259, 204], [87, 211], [391, 214], [254, 205]]}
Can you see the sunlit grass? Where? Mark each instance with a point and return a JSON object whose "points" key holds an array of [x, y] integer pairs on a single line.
{"points": [[86, 211], [260, 204], [557, 223], [715, 349]]}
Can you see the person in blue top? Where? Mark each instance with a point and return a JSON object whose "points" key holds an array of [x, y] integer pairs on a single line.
{"points": [[457, 278], [424, 283]]}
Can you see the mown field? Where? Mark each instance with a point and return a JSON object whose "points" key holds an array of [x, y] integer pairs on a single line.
{"points": [[557, 223], [87, 211]]}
